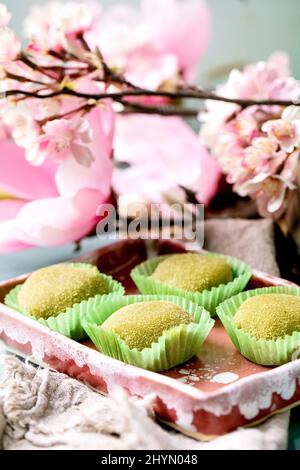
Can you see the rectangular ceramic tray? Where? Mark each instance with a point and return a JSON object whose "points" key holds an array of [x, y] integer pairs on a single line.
{"points": [[214, 393]]}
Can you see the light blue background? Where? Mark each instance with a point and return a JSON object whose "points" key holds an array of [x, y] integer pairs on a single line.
{"points": [[243, 31]]}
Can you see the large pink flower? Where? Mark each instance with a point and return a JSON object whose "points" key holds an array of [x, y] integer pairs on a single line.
{"points": [[162, 154], [55, 203], [157, 42]]}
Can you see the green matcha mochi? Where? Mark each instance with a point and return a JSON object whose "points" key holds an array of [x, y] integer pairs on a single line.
{"points": [[193, 272], [269, 316], [142, 323], [50, 291]]}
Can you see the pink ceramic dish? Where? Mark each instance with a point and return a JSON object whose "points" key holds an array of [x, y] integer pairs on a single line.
{"points": [[214, 393]]}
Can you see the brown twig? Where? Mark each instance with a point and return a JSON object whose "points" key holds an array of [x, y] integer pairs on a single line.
{"points": [[125, 89], [27, 61], [184, 93], [81, 109]]}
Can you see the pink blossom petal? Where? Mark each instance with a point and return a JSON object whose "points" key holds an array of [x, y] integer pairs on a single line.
{"points": [[286, 133], [276, 202], [71, 176], [271, 200], [251, 185], [52, 222], [20, 179], [155, 42], [82, 154], [57, 127], [290, 170]]}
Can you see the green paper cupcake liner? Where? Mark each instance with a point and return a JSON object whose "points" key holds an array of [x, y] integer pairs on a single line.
{"points": [[174, 347], [209, 299], [67, 323], [260, 351]]}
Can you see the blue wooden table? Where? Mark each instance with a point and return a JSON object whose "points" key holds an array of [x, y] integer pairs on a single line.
{"points": [[12, 265]]}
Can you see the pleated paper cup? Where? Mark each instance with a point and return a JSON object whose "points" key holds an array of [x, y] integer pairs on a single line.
{"points": [[174, 347], [67, 323], [261, 351], [209, 299]]}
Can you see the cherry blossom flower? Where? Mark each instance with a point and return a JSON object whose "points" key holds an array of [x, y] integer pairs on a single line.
{"points": [[68, 137], [181, 28], [277, 191], [58, 139], [260, 161], [267, 80], [56, 202]]}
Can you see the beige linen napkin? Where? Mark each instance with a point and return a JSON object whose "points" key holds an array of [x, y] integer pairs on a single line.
{"points": [[42, 409]]}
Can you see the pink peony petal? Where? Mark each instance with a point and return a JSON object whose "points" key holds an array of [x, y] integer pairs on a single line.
{"points": [[52, 222], [20, 179]]}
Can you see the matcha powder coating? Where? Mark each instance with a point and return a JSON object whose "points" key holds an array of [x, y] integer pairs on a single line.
{"points": [[50, 291], [193, 272], [269, 316], [141, 324]]}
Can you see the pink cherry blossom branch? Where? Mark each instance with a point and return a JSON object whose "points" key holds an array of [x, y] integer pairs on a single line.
{"points": [[70, 58], [91, 64]]}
